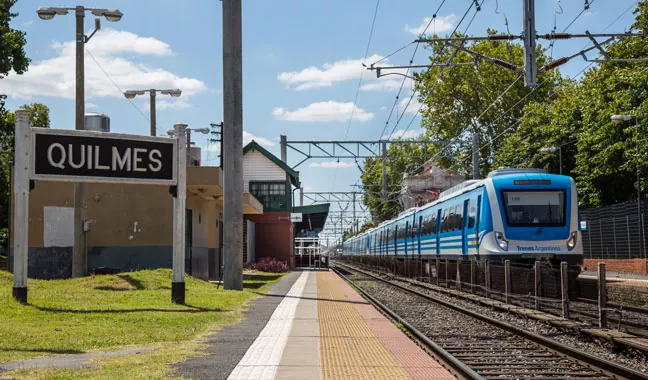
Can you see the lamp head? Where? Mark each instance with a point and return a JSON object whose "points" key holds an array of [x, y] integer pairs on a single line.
{"points": [[48, 13], [618, 119], [112, 15], [171, 132], [549, 149], [204, 131], [173, 92]]}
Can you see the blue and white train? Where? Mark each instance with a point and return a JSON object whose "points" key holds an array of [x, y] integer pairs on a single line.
{"points": [[520, 215]]}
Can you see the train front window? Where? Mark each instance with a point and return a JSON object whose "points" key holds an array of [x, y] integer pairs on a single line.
{"points": [[534, 208]]}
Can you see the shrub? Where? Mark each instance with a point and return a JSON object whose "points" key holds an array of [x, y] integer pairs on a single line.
{"points": [[268, 264]]}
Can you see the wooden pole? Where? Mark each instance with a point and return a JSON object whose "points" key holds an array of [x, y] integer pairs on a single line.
{"points": [[438, 271], [602, 296], [473, 272], [507, 281], [564, 289], [447, 265], [538, 285], [488, 278], [458, 284]]}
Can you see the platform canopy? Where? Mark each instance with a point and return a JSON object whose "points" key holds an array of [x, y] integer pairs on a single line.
{"points": [[313, 219]]}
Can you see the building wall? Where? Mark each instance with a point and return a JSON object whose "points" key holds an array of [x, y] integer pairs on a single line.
{"points": [[274, 236], [258, 167], [618, 265], [131, 228]]}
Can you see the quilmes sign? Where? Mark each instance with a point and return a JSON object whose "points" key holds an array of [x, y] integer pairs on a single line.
{"points": [[86, 156]]}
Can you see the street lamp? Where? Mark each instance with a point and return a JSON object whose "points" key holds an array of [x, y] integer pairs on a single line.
{"points": [[551, 149], [79, 259], [204, 131], [618, 119], [174, 92]]}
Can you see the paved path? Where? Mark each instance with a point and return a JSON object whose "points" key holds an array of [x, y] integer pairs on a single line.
{"points": [[68, 361], [320, 330]]}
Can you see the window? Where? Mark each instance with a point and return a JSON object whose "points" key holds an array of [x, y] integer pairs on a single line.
{"points": [[458, 217], [534, 208], [444, 221], [472, 213], [429, 225], [272, 195], [413, 231]]}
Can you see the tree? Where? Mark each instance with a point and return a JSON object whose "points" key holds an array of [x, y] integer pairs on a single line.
{"points": [[601, 156], [481, 98], [12, 43], [39, 117], [402, 158]]}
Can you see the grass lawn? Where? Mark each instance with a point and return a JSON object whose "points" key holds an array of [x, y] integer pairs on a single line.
{"points": [[110, 311]]}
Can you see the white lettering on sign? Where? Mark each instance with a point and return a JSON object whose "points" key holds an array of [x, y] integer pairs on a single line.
{"points": [[137, 159], [50, 159], [71, 158], [121, 161], [156, 161], [97, 164]]}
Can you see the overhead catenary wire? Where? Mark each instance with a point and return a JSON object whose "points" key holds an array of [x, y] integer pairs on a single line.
{"points": [[159, 131]]}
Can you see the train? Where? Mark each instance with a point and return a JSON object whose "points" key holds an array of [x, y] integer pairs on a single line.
{"points": [[521, 215]]}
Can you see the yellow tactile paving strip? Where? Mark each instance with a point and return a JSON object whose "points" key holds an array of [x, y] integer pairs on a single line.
{"points": [[348, 347]]}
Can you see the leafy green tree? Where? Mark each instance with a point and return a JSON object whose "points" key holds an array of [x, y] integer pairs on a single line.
{"points": [[482, 98], [39, 117], [12, 43], [403, 158]]}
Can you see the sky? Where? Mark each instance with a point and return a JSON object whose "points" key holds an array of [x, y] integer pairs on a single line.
{"points": [[301, 65]]}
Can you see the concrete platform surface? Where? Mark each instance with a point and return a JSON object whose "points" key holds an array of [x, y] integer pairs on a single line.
{"points": [[320, 329]]}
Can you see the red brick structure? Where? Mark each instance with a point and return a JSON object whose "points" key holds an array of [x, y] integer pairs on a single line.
{"points": [[619, 265], [274, 236]]}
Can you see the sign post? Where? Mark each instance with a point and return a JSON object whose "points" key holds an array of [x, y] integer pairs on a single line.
{"points": [[296, 217], [88, 156], [21, 201], [179, 215]]}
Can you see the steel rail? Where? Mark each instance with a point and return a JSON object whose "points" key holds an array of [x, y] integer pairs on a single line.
{"points": [[608, 367], [458, 366]]}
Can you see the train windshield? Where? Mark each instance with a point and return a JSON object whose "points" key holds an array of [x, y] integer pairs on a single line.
{"points": [[534, 208]]}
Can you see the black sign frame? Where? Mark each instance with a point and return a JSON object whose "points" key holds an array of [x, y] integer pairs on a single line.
{"points": [[110, 177]]}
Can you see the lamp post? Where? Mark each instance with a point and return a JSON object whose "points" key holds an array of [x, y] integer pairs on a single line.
{"points": [[174, 92], [618, 119], [79, 262], [204, 131], [551, 149]]}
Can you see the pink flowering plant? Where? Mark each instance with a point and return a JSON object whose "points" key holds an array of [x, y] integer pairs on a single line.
{"points": [[268, 264]]}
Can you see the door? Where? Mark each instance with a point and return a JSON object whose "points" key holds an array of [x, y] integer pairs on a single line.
{"points": [[437, 232], [477, 218], [464, 228], [188, 240], [407, 232], [418, 235]]}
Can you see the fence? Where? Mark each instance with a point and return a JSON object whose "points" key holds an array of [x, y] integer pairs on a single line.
{"points": [[554, 290], [614, 232]]}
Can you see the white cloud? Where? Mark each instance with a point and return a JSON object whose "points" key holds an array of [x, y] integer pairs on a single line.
{"points": [[383, 108], [314, 77], [403, 134], [247, 137], [330, 111], [331, 164], [441, 25], [161, 105], [26, 24], [413, 106], [115, 51], [90, 106], [387, 84]]}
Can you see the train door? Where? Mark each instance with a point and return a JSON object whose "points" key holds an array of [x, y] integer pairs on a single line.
{"points": [[380, 250], [464, 227], [407, 231], [437, 232], [477, 218], [418, 235]]}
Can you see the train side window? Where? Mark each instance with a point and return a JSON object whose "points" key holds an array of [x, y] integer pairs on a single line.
{"points": [[458, 216], [414, 229], [444, 221], [472, 213], [433, 224]]}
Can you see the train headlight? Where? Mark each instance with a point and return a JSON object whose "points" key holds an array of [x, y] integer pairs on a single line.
{"points": [[501, 242], [571, 242]]}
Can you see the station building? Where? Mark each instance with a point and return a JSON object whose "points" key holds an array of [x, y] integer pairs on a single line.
{"points": [[131, 225]]}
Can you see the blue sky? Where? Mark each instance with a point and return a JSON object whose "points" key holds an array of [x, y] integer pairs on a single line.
{"points": [[301, 64]]}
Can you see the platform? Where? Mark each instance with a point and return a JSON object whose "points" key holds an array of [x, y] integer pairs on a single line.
{"points": [[322, 329]]}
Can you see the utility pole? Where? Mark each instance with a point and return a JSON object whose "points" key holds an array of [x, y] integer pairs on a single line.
{"points": [[284, 151], [475, 138], [233, 138], [79, 259], [529, 33], [152, 111], [354, 212]]}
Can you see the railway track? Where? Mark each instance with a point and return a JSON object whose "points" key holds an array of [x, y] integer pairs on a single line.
{"points": [[483, 347]]}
